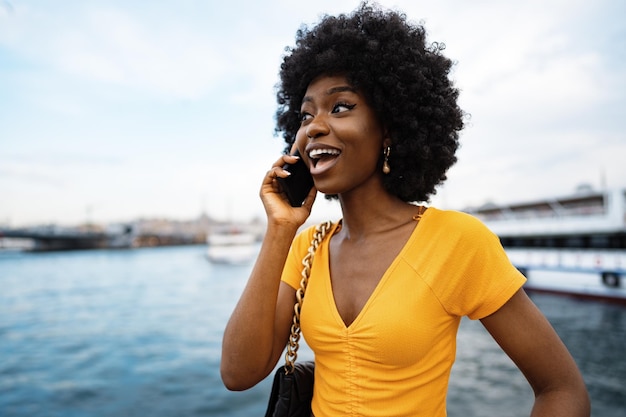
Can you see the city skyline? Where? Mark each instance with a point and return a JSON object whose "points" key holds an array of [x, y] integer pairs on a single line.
{"points": [[116, 111]]}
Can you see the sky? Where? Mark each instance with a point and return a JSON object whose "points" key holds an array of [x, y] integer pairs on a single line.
{"points": [[115, 110]]}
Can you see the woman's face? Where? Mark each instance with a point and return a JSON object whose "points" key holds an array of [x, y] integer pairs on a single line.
{"points": [[340, 137]]}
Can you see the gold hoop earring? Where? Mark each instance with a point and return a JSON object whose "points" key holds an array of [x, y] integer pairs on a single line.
{"points": [[386, 167]]}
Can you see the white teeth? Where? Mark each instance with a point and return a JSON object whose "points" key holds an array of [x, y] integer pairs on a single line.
{"points": [[318, 153]]}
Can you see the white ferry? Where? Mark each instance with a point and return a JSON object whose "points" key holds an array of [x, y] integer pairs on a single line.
{"points": [[232, 245], [574, 244]]}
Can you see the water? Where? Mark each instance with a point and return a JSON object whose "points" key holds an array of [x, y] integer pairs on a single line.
{"points": [[138, 332]]}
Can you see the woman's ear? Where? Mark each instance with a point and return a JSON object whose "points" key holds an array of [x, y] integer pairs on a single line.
{"points": [[386, 137]]}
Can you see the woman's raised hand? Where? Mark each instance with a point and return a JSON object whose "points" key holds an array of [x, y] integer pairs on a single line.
{"points": [[275, 201]]}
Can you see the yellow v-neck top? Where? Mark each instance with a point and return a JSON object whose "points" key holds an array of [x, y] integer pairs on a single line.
{"points": [[395, 358]]}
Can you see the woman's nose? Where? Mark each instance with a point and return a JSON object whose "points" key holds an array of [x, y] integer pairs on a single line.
{"points": [[317, 127]]}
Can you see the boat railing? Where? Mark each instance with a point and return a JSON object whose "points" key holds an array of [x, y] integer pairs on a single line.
{"points": [[561, 212]]}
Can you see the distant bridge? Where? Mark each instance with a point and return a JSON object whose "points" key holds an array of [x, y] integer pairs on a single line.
{"points": [[53, 238]]}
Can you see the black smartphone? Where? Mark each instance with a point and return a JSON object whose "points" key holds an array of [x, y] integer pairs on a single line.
{"points": [[298, 184]]}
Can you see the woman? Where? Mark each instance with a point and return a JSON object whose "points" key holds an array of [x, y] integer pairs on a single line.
{"points": [[370, 108]]}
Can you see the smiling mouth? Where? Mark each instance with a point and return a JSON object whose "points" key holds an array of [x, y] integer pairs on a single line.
{"points": [[317, 155]]}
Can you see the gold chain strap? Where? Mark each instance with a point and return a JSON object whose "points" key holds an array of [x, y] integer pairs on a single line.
{"points": [[294, 337]]}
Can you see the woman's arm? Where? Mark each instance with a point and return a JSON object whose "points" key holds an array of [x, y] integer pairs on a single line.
{"points": [[258, 329], [530, 341]]}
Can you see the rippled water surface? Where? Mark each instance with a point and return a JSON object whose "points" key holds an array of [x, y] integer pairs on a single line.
{"points": [[138, 332]]}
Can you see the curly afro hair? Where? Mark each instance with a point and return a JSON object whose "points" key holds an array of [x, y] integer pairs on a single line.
{"points": [[403, 79]]}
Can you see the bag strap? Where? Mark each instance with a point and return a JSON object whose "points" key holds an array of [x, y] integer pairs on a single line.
{"points": [[307, 262]]}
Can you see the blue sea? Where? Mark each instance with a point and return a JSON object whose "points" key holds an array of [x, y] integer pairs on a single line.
{"points": [[138, 333]]}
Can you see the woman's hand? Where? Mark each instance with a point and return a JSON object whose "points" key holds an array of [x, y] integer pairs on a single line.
{"points": [[275, 201]]}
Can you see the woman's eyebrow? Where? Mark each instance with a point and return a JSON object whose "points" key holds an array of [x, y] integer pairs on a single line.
{"points": [[333, 90], [340, 89]]}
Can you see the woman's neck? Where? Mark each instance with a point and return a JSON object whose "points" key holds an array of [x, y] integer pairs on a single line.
{"points": [[373, 213]]}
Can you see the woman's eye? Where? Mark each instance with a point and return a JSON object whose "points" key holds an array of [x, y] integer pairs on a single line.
{"points": [[341, 107], [305, 116]]}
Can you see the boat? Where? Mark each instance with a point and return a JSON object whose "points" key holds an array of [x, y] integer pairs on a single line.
{"points": [[574, 244], [232, 245]]}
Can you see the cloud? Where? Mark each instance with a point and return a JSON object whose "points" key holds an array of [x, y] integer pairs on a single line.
{"points": [[113, 46], [546, 98], [55, 170], [145, 107]]}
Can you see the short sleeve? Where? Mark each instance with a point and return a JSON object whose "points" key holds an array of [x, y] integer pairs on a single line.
{"points": [[469, 271], [293, 265]]}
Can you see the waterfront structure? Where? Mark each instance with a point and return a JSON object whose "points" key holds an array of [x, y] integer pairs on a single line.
{"points": [[574, 244]]}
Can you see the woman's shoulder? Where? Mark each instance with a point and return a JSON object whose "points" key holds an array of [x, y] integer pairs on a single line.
{"points": [[307, 231], [455, 223], [454, 217]]}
